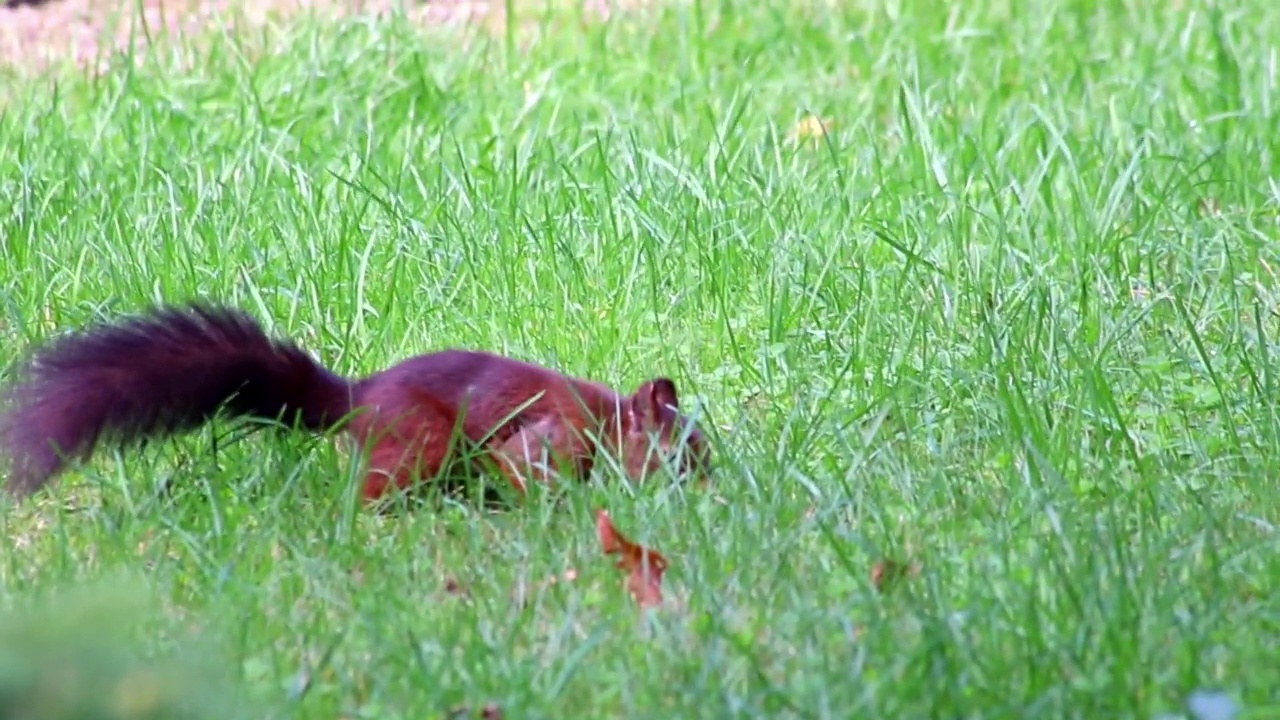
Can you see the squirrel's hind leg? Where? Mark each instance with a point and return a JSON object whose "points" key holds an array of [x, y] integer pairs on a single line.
{"points": [[410, 442]]}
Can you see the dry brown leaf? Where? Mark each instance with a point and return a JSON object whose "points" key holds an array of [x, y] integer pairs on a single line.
{"points": [[887, 573], [644, 566], [1210, 207], [453, 587]]}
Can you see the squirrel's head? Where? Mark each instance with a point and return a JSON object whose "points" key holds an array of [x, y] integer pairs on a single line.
{"points": [[654, 433]]}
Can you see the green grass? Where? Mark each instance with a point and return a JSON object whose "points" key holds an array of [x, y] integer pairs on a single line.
{"points": [[1013, 322]]}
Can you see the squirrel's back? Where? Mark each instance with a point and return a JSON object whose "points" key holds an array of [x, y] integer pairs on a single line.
{"points": [[487, 392]]}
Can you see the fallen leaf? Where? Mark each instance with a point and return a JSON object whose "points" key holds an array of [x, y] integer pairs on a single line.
{"points": [[644, 566], [756, 400], [810, 128], [886, 573], [453, 587], [1210, 207]]}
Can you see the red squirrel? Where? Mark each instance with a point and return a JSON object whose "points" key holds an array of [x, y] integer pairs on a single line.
{"points": [[170, 370]]}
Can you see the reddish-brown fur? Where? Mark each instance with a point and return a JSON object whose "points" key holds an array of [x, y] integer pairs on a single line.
{"points": [[173, 369]]}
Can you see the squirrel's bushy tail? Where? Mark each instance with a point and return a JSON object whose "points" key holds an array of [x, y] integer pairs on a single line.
{"points": [[162, 373]]}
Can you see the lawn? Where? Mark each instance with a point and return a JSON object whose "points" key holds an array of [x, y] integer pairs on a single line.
{"points": [[1007, 323]]}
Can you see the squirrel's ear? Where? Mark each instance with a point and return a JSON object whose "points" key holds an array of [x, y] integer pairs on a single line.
{"points": [[650, 397]]}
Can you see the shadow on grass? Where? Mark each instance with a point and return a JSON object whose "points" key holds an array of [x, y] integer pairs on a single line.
{"points": [[90, 652]]}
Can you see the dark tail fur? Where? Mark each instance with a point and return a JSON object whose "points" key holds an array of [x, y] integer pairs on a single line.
{"points": [[160, 374]]}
